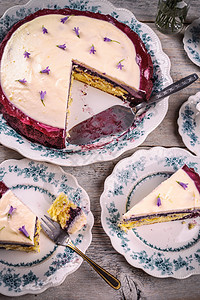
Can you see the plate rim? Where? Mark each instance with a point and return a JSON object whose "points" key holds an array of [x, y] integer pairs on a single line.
{"points": [[185, 38], [24, 162], [114, 242], [185, 137], [101, 154]]}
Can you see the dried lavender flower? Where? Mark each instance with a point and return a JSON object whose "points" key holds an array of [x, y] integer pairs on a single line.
{"points": [[26, 54], [92, 50], [47, 70], [61, 46], [76, 29], [23, 230]]}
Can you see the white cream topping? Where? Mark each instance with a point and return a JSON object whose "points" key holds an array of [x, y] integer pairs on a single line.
{"points": [[9, 226], [44, 53], [173, 197]]}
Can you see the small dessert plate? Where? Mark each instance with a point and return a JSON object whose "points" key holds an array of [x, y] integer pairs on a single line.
{"points": [[191, 41], [189, 123], [169, 249], [37, 185]]}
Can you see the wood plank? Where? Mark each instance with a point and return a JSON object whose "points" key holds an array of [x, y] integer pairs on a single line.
{"points": [[85, 284]]}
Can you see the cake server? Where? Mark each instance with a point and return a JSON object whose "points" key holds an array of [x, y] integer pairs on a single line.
{"points": [[118, 119], [61, 238]]}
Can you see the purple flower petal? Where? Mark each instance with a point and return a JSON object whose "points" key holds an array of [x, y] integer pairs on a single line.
{"points": [[158, 201], [61, 46], [22, 80], [107, 39], [76, 29], [47, 70], [44, 30], [92, 50], [26, 54], [42, 94], [184, 185], [119, 65], [11, 210], [63, 20], [23, 230]]}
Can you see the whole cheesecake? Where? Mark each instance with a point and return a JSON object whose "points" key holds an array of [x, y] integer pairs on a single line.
{"points": [[43, 53], [176, 198]]}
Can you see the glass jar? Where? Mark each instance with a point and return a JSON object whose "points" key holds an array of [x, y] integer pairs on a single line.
{"points": [[171, 15]]}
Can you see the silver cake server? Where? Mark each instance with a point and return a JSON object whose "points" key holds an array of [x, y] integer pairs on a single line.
{"points": [[118, 119]]}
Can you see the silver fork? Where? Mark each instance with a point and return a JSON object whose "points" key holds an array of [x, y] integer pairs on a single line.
{"points": [[61, 238]]}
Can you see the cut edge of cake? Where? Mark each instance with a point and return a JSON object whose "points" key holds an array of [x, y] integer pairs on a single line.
{"points": [[131, 219], [70, 216], [7, 215]]}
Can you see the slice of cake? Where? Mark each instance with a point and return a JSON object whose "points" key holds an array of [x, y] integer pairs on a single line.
{"points": [[176, 198], [42, 54], [19, 227], [70, 216]]}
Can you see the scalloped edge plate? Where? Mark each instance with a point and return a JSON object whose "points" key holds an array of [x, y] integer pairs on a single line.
{"points": [[191, 41], [177, 253], [100, 150], [188, 126], [37, 185]]}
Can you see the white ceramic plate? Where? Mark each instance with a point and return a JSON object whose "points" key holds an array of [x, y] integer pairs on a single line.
{"points": [[162, 250], [100, 150], [189, 124], [191, 41], [37, 185]]}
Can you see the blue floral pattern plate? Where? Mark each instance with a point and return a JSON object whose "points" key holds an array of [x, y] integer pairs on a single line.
{"points": [[37, 185], [101, 150], [191, 41], [189, 124], [167, 249]]}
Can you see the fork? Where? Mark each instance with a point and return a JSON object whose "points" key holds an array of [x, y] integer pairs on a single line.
{"points": [[61, 238]]}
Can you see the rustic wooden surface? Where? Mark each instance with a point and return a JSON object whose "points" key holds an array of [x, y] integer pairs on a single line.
{"points": [[85, 284]]}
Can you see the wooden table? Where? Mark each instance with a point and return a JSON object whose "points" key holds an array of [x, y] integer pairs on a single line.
{"points": [[85, 284]]}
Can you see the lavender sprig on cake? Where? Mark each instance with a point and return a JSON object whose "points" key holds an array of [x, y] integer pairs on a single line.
{"points": [[47, 70], [23, 230], [119, 65], [63, 47], [26, 54], [11, 210], [42, 94], [92, 50], [22, 80], [63, 20], [184, 185], [158, 201], [106, 39], [76, 29], [44, 30]]}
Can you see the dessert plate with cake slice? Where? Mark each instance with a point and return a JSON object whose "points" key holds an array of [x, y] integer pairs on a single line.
{"points": [[32, 187], [151, 211], [40, 103]]}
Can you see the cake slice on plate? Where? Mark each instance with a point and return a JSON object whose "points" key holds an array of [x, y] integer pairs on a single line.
{"points": [[19, 227], [176, 198], [70, 216]]}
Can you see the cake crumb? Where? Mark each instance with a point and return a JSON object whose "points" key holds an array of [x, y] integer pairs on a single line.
{"points": [[192, 225]]}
